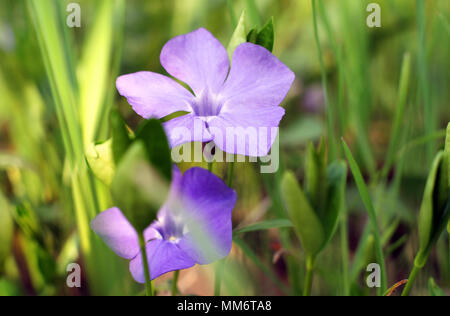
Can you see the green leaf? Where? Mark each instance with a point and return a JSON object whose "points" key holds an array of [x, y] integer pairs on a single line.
{"points": [[434, 289], [94, 69], [152, 133], [138, 189], [315, 178], [434, 210], [336, 182], [101, 161], [6, 228], [266, 36], [120, 137], [239, 35], [307, 225], [367, 201], [252, 36], [264, 225]]}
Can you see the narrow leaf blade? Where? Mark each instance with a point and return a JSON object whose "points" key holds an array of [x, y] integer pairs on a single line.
{"points": [[264, 225], [306, 223]]}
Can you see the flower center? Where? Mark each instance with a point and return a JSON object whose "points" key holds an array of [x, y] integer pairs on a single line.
{"points": [[207, 104]]}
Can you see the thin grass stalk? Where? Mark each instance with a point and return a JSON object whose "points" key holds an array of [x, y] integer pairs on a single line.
{"points": [[362, 188], [356, 64], [329, 113], [423, 77], [399, 114], [345, 253]]}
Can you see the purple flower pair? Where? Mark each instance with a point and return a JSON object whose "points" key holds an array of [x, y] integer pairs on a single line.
{"points": [[193, 226]]}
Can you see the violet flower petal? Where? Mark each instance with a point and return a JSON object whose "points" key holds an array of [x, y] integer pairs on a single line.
{"points": [[209, 203], [163, 256], [198, 59], [257, 78], [115, 230], [153, 95]]}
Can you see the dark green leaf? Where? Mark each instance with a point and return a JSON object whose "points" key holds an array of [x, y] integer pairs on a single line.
{"points": [[266, 36], [137, 188], [252, 36], [120, 138], [152, 133]]}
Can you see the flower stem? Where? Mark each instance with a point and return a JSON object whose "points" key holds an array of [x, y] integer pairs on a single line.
{"points": [[218, 277], [411, 279], [174, 282], [309, 275], [148, 283]]}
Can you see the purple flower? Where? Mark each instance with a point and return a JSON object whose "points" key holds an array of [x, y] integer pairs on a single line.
{"points": [[225, 99], [193, 226]]}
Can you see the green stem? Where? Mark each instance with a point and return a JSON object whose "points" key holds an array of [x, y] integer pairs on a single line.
{"points": [[218, 277], [174, 282], [210, 166], [345, 254], [148, 283], [309, 276], [329, 112], [411, 279]]}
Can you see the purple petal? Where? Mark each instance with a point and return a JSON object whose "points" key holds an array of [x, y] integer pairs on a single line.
{"points": [[154, 95], [257, 78], [115, 230], [248, 130], [186, 128], [208, 204], [163, 256], [198, 59]]}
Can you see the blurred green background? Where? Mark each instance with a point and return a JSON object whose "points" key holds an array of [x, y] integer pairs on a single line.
{"points": [[48, 195]]}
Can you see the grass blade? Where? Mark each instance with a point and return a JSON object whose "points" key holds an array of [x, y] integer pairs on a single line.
{"points": [[399, 114], [93, 70], [264, 225], [330, 118], [364, 192]]}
